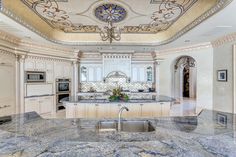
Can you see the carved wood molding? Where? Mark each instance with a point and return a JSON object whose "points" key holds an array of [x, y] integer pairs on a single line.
{"points": [[224, 40], [9, 38], [183, 49], [49, 58]]}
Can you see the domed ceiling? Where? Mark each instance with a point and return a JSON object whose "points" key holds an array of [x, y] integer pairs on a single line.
{"points": [[140, 21]]}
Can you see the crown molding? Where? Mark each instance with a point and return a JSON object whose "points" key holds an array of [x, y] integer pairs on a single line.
{"points": [[224, 40], [184, 49], [9, 38]]}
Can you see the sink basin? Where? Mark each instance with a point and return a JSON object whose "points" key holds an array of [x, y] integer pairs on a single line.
{"points": [[126, 126]]}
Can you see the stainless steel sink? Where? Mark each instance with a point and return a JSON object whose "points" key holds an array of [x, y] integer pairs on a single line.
{"points": [[126, 126]]}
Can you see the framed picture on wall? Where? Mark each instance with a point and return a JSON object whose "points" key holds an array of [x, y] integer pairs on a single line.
{"points": [[221, 119], [222, 75]]}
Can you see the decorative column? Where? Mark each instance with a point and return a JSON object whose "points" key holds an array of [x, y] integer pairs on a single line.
{"points": [[75, 80], [157, 77], [22, 83], [17, 78], [75, 76]]}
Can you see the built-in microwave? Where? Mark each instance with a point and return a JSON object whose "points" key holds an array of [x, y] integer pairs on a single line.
{"points": [[35, 77]]}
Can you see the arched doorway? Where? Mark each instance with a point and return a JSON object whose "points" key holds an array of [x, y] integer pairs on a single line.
{"points": [[185, 72]]}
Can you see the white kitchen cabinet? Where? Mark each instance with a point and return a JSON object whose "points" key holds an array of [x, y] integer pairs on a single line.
{"points": [[63, 70], [134, 110], [41, 105], [40, 65], [91, 74], [81, 110], [114, 110], [35, 65], [147, 110], [46, 104], [103, 110], [142, 73], [29, 64], [165, 108], [91, 110], [31, 105], [67, 73]]}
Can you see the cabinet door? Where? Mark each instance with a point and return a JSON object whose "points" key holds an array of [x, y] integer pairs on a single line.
{"points": [[80, 110], [165, 106], [32, 104], [29, 65], [91, 110], [157, 111], [134, 74], [70, 110], [58, 70], [49, 66], [142, 75], [114, 110], [98, 74], [90, 74], [103, 110], [67, 71], [147, 110], [49, 77], [46, 104], [134, 111], [40, 65]]}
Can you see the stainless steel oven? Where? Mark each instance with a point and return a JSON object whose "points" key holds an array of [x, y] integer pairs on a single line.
{"points": [[59, 97], [63, 85], [35, 77], [63, 89]]}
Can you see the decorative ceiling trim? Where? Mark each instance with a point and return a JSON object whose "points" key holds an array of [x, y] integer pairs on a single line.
{"points": [[224, 40], [168, 13], [221, 4], [9, 38], [182, 49]]}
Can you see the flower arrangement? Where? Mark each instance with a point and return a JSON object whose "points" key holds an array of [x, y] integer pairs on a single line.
{"points": [[117, 95]]}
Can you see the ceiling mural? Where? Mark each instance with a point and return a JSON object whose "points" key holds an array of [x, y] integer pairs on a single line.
{"points": [[141, 22], [110, 12], [161, 16]]}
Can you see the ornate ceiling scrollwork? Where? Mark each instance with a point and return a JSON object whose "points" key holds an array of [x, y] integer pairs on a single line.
{"points": [[168, 11]]}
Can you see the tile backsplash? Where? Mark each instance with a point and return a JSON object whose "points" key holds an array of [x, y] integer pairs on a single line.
{"points": [[102, 87]]}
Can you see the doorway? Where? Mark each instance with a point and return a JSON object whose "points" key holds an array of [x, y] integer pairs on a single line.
{"points": [[185, 76]]}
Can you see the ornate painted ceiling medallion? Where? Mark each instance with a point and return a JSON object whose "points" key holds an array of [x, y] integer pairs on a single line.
{"points": [[110, 12]]}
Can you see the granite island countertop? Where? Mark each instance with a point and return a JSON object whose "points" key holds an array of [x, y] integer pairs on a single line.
{"points": [[160, 98], [206, 135]]}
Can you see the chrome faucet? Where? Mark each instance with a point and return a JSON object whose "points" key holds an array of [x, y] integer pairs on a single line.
{"points": [[119, 120]]}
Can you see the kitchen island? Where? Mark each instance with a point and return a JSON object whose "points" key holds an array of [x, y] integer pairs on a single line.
{"points": [[103, 108], [29, 135]]}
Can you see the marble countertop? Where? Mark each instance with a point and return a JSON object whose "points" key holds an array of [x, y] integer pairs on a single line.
{"points": [[206, 135], [160, 98]]}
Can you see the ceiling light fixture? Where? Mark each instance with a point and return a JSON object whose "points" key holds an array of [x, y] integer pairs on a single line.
{"points": [[110, 33]]}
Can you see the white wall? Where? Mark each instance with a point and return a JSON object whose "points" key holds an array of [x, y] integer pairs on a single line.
{"points": [[204, 61], [7, 83], [223, 91]]}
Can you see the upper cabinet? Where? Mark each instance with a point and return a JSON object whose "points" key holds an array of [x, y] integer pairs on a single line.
{"points": [[91, 73], [142, 73], [35, 65], [63, 70]]}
